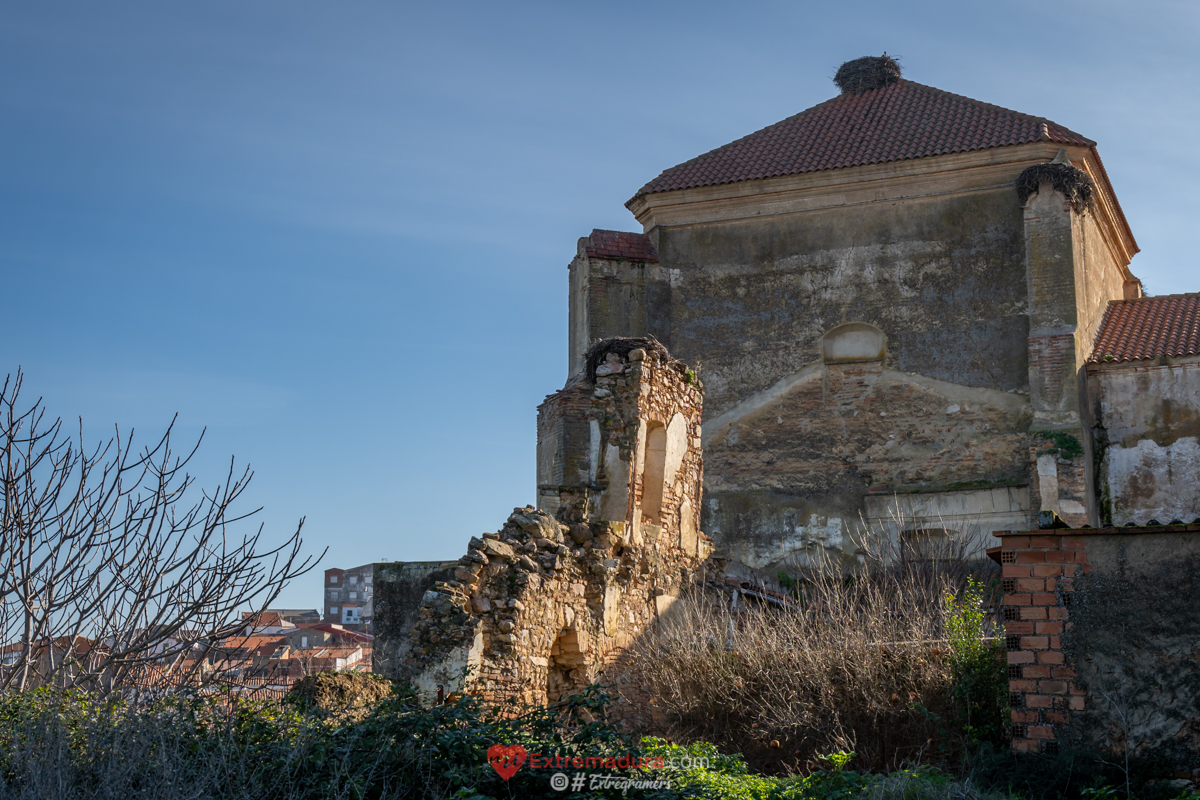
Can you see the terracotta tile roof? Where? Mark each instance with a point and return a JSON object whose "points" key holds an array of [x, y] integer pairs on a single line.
{"points": [[1149, 327], [902, 121], [621, 246]]}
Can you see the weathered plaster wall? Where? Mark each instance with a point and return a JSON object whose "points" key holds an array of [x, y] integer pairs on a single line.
{"points": [[943, 277], [1146, 440], [1135, 641], [1103, 635]]}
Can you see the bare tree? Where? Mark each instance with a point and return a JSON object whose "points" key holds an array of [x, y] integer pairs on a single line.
{"points": [[113, 562]]}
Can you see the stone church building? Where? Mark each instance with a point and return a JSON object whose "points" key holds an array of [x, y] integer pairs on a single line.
{"points": [[908, 308]]}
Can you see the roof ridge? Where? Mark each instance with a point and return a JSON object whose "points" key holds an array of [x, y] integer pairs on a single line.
{"points": [[992, 106], [898, 122]]}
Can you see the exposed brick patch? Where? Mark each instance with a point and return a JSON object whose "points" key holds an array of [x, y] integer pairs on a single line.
{"points": [[621, 246]]}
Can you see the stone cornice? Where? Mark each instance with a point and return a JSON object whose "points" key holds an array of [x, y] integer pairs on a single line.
{"points": [[957, 173]]}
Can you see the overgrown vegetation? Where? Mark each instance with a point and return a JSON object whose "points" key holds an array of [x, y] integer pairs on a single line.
{"points": [[66, 744], [1060, 444], [978, 677], [864, 662]]}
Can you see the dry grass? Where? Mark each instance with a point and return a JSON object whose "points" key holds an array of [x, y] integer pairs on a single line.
{"points": [[859, 665]]}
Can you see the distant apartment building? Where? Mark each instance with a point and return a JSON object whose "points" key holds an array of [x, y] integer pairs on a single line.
{"points": [[348, 597]]}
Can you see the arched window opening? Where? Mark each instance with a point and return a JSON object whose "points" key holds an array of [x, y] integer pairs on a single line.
{"points": [[654, 472]]}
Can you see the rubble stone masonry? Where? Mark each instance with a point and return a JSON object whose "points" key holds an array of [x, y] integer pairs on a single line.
{"points": [[546, 605]]}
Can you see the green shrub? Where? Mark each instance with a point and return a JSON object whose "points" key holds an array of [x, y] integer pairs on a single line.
{"points": [[979, 680]]}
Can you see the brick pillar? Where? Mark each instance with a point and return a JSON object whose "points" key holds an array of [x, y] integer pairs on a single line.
{"points": [[1039, 568]]}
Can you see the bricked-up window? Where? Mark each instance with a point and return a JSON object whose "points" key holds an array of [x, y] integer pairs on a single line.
{"points": [[654, 472], [926, 544], [853, 341]]}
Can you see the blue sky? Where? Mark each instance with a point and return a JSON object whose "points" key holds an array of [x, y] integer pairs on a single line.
{"points": [[337, 234]]}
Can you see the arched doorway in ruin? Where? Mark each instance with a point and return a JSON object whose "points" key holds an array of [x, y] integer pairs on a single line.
{"points": [[567, 672]]}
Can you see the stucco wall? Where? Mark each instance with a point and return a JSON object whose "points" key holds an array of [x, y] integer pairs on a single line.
{"points": [[1135, 641], [1146, 440], [943, 277]]}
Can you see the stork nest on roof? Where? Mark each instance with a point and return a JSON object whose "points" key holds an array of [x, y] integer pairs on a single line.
{"points": [[1072, 182], [623, 346], [867, 73]]}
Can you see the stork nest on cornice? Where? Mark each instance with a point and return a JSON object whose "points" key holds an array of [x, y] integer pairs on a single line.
{"points": [[1071, 182], [623, 346]]}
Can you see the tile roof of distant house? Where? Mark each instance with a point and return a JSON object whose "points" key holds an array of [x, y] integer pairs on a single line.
{"points": [[902, 121], [253, 643], [621, 246], [1149, 327], [347, 635]]}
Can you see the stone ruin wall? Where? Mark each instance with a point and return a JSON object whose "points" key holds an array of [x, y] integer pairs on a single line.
{"points": [[546, 605]]}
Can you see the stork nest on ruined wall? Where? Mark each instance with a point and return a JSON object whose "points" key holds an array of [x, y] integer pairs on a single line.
{"points": [[867, 73], [1072, 182], [624, 345]]}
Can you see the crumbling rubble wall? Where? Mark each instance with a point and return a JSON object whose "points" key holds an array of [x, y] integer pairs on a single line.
{"points": [[545, 606]]}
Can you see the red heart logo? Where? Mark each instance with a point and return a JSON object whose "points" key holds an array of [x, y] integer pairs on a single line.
{"points": [[506, 759]]}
